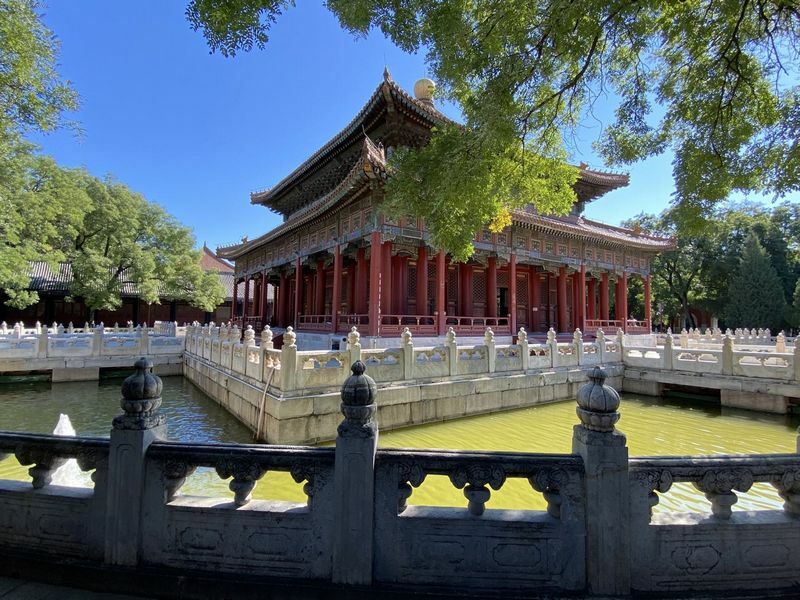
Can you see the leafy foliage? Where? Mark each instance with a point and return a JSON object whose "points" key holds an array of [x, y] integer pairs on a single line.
{"points": [[111, 236], [698, 274], [32, 95], [710, 79], [493, 179], [755, 294]]}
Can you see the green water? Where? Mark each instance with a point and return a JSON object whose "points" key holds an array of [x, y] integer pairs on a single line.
{"points": [[653, 426]]}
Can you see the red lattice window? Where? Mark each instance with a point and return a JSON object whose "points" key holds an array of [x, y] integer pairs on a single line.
{"points": [[502, 279]]}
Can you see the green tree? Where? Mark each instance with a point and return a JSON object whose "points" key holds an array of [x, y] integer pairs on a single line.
{"points": [[755, 294], [40, 204], [793, 311], [126, 240], [709, 79], [32, 94]]}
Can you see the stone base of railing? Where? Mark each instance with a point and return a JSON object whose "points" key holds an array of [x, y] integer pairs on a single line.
{"points": [[310, 416], [763, 395], [88, 368]]}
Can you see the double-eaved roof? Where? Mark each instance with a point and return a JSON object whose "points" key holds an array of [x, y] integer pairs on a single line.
{"points": [[349, 160]]}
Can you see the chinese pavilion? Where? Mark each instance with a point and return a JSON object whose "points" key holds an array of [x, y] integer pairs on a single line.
{"points": [[337, 261]]}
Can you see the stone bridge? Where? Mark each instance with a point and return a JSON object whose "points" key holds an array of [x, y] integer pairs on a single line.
{"points": [[360, 531], [79, 353], [752, 376]]}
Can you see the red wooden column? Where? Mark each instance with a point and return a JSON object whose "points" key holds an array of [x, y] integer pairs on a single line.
{"points": [[361, 282], [351, 289], [647, 302], [534, 294], [319, 289], [575, 301], [582, 298], [298, 291], [624, 291], [386, 280], [375, 282], [235, 299], [591, 312], [491, 287], [422, 280], [465, 281], [441, 290], [262, 297], [336, 301], [512, 292], [245, 312], [283, 294], [604, 297], [561, 300]]}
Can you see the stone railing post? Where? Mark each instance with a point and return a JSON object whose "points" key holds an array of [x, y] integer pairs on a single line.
{"points": [[577, 343], [42, 350], [249, 337], [553, 343], [354, 480], [601, 346], [266, 338], [451, 344], [727, 355], [288, 359], [407, 347], [668, 353], [522, 341], [132, 433], [354, 345], [780, 342], [491, 350], [97, 341], [684, 338], [605, 459]]}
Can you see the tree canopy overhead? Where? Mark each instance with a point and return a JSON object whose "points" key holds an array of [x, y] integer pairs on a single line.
{"points": [[712, 80]]}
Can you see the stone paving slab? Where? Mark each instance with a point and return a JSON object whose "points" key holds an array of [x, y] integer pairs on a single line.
{"points": [[18, 589]]}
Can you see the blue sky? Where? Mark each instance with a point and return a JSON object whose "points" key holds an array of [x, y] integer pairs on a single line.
{"points": [[197, 132]]}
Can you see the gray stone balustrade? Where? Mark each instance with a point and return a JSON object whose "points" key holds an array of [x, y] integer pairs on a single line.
{"points": [[360, 524]]}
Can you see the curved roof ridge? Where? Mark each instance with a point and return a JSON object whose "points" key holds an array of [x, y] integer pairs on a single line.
{"points": [[371, 164], [260, 197]]}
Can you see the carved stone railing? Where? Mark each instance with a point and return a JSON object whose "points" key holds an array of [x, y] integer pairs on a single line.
{"points": [[723, 359], [450, 535], [243, 464], [718, 478], [722, 548], [64, 343], [253, 356], [46, 453], [360, 526]]}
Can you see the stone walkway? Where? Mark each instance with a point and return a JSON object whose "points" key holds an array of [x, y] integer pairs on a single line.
{"points": [[19, 589]]}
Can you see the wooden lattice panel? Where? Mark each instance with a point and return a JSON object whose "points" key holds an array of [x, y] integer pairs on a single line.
{"points": [[412, 283], [502, 279], [522, 289], [479, 287]]}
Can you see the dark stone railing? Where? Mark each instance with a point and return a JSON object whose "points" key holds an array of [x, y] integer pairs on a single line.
{"points": [[359, 524]]}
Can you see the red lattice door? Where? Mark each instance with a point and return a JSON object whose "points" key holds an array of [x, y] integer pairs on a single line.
{"points": [[523, 301]]}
